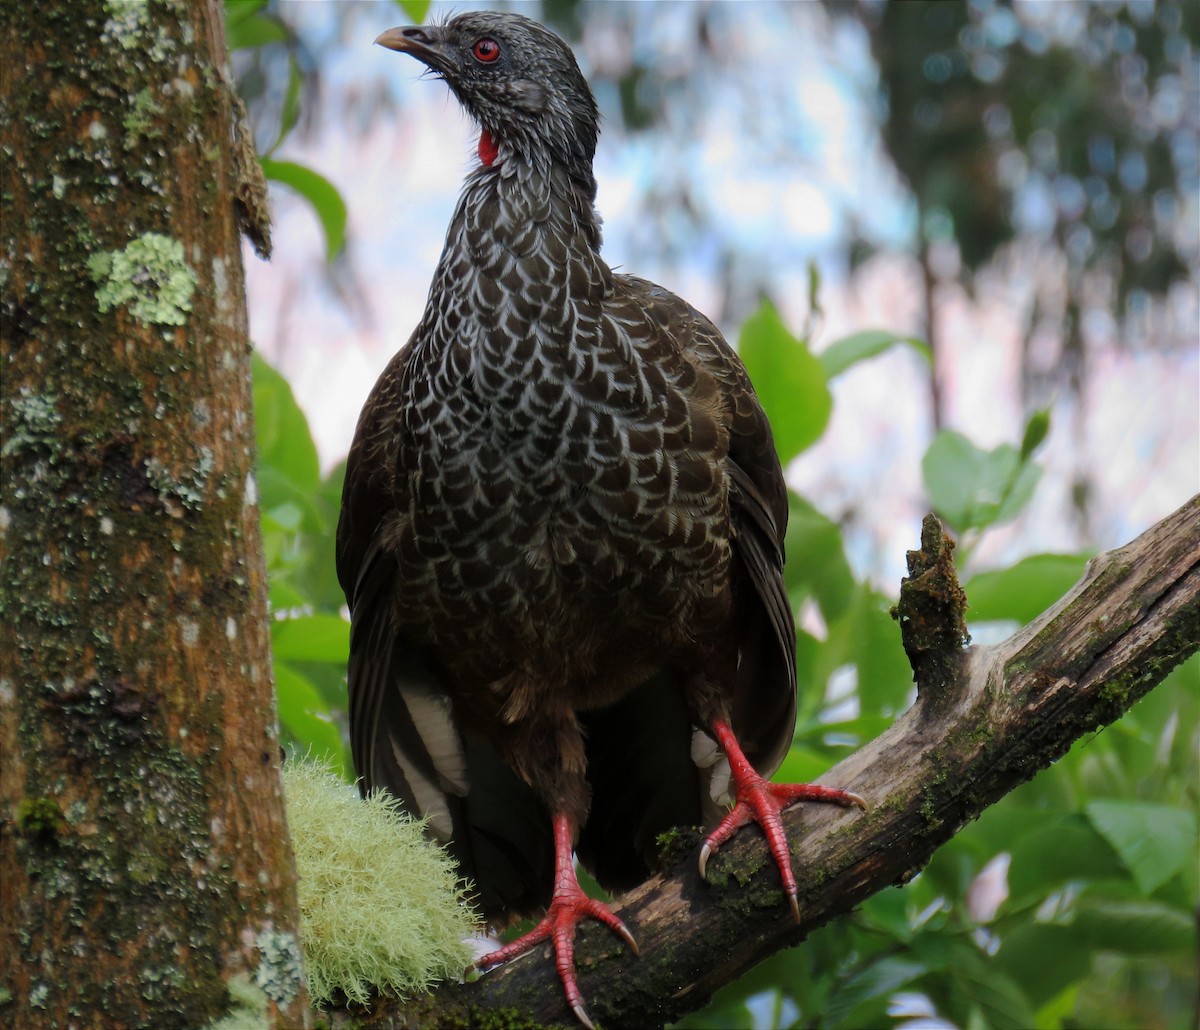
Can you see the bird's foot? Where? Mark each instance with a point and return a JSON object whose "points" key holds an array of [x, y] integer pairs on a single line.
{"points": [[569, 905], [760, 801]]}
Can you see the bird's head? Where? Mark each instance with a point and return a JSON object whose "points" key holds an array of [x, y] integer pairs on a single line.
{"points": [[517, 79]]}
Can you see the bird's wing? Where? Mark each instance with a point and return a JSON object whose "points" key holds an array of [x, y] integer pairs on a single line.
{"points": [[404, 733], [763, 698], [402, 730]]}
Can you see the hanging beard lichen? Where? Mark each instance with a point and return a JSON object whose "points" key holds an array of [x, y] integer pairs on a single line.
{"points": [[381, 907]]}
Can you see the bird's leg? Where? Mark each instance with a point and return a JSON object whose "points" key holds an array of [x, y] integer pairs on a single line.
{"points": [[568, 906], [758, 800]]}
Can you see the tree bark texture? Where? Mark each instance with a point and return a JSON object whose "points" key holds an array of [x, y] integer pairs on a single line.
{"points": [[144, 858], [985, 721]]}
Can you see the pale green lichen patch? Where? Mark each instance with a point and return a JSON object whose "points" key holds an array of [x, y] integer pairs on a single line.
{"points": [[150, 277], [248, 1007], [188, 492], [278, 974], [35, 421], [128, 25], [381, 907], [140, 119]]}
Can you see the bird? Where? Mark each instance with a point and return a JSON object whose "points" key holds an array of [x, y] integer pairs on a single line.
{"points": [[561, 535]]}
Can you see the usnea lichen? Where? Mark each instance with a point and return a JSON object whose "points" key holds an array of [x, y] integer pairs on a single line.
{"points": [[150, 277], [380, 905]]}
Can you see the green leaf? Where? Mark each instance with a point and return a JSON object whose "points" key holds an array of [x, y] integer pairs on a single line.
{"points": [[1153, 841], [879, 980], [311, 638], [801, 765], [285, 443], [885, 677], [283, 518], [888, 912], [305, 717], [283, 595], [1025, 590], [1036, 430], [973, 989], [862, 346], [415, 9], [951, 467], [815, 310], [290, 111], [789, 381], [816, 559], [971, 487], [320, 192], [866, 636], [1016, 492], [237, 11], [292, 508], [1044, 959], [1134, 927], [251, 30], [1056, 853]]}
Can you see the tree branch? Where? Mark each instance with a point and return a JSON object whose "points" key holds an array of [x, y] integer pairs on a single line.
{"points": [[1001, 714]]}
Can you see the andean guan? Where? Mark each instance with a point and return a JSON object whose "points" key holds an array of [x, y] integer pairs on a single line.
{"points": [[561, 535]]}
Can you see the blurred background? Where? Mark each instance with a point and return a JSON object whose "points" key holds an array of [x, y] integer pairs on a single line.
{"points": [[982, 219]]}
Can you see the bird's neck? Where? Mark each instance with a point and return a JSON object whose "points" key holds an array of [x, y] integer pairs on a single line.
{"points": [[520, 287], [533, 186]]}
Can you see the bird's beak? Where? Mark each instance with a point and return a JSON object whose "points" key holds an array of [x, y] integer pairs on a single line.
{"points": [[425, 44]]}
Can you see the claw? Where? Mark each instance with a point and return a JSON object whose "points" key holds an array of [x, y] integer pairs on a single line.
{"points": [[568, 907], [762, 802]]}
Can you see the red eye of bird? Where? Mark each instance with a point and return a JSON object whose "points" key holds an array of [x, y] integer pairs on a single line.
{"points": [[486, 50]]}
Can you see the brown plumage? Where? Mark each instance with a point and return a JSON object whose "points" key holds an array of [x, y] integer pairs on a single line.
{"points": [[561, 536]]}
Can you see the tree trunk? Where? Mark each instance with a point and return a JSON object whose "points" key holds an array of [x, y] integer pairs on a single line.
{"points": [[986, 719], [145, 868]]}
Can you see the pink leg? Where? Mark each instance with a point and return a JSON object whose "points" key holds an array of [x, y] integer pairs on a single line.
{"points": [[568, 906], [759, 801]]}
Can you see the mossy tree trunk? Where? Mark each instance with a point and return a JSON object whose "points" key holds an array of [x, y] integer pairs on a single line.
{"points": [[145, 871]]}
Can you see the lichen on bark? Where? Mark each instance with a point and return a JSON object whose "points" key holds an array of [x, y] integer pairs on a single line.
{"points": [[128, 528]]}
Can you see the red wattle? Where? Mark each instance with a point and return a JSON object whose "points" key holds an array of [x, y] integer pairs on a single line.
{"points": [[488, 148]]}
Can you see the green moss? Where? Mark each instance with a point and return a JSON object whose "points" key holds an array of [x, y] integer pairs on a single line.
{"points": [[497, 1019], [675, 843], [380, 907], [150, 277], [40, 818]]}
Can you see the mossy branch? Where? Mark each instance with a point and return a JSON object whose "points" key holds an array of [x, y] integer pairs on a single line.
{"points": [[997, 716]]}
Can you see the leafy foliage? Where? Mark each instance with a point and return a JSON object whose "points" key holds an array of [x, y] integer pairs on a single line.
{"points": [[309, 637]]}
